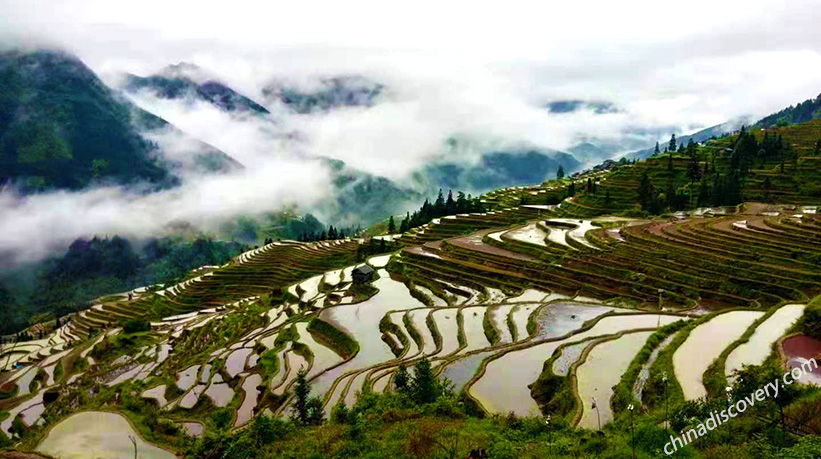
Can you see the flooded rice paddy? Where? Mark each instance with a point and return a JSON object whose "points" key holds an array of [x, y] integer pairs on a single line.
{"points": [[249, 401], [704, 345], [448, 329], [756, 350], [503, 386], [98, 434], [473, 318], [602, 370]]}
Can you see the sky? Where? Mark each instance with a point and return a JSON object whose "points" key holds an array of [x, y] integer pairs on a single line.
{"points": [[477, 70]]}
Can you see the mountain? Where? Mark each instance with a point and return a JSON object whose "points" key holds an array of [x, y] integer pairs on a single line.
{"points": [[331, 93], [62, 128], [187, 80], [808, 110], [700, 136], [573, 105], [364, 198], [502, 168]]}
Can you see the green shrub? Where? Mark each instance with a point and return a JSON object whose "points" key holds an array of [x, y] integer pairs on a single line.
{"points": [[222, 417], [491, 333], [811, 321], [337, 340], [136, 326]]}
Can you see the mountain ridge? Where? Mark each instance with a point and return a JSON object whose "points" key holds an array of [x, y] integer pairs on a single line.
{"points": [[61, 127]]}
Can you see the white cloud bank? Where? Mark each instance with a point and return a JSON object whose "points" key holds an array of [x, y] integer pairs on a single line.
{"points": [[478, 71]]}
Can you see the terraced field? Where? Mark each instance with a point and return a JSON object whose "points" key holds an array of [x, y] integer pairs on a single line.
{"points": [[527, 309]]}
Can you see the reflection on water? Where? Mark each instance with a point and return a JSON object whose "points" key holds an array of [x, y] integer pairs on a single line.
{"points": [[361, 321], [559, 319], [448, 328], [249, 402], [97, 434], [236, 361], [473, 322], [756, 350], [462, 370], [704, 345], [503, 387], [602, 370]]}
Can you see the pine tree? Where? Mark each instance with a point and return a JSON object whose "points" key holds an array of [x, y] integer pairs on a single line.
{"points": [[693, 170], [704, 193], [339, 413], [301, 391], [391, 225], [424, 385], [656, 151], [671, 147], [402, 379], [560, 173], [439, 205], [315, 410], [670, 195], [571, 190], [646, 192], [766, 185], [450, 204], [462, 205], [691, 147]]}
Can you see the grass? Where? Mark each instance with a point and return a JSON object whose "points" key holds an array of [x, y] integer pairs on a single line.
{"points": [[623, 392], [335, 339], [412, 331], [491, 333]]}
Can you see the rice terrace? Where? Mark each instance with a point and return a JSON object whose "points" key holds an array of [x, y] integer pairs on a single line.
{"points": [[584, 313], [372, 230]]}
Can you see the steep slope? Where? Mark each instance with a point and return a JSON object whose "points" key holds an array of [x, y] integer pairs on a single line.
{"points": [[808, 110], [187, 80], [62, 128], [705, 134]]}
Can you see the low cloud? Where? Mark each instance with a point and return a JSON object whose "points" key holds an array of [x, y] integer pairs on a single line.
{"points": [[32, 227]]}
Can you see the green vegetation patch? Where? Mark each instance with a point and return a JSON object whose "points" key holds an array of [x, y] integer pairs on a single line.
{"points": [[334, 338]]}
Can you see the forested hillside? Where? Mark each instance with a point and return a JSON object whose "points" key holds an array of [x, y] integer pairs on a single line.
{"points": [[96, 267], [62, 128]]}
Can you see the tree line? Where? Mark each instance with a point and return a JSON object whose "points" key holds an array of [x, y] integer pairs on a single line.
{"points": [[462, 204], [329, 235], [707, 185]]}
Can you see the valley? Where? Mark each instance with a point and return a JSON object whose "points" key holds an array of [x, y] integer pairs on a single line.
{"points": [[525, 308]]}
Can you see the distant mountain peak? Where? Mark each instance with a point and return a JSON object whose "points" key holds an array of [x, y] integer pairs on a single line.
{"points": [[574, 105], [186, 70], [186, 80], [328, 93], [61, 127]]}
